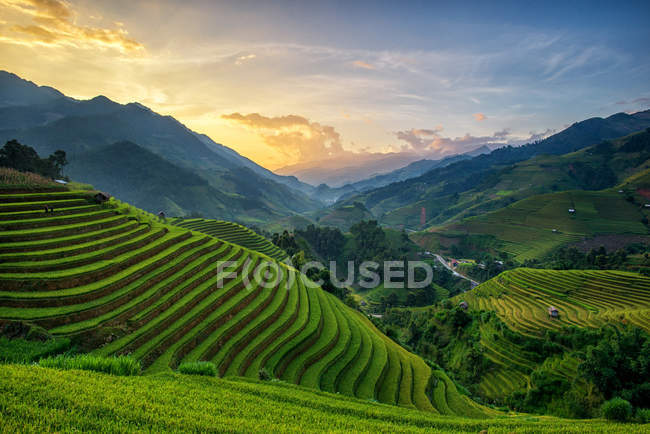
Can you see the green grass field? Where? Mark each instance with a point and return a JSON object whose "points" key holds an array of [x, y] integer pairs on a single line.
{"points": [[38, 399], [117, 281]]}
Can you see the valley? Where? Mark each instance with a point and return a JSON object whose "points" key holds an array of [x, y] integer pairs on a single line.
{"points": [[312, 217]]}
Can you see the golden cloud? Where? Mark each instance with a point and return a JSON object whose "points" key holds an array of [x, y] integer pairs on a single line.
{"points": [[52, 23], [293, 135], [479, 116], [362, 64]]}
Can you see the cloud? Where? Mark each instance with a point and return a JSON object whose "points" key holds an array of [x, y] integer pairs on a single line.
{"points": [[244, 58], [539, 136], [479, 116], [52, 23], [362, 64], [293, 135], [429, 142]]}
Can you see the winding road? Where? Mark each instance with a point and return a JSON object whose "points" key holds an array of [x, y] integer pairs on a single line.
{"points": [[454, 272]]}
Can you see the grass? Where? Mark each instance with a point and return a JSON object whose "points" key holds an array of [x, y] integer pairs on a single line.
{"points": [[15, 179], [27, 351], [198, 368], [123, 365], [37, 399]]}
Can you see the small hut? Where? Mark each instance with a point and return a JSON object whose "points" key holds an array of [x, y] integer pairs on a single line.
{"points": [[102, 197], [463, 305], [553, 312], [572, 211]]}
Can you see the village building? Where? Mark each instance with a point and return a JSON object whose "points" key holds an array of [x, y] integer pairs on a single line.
{"points": [[102, 197]]}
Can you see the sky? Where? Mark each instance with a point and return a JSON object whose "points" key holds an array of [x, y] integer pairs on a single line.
{"points": [[296, 82]]}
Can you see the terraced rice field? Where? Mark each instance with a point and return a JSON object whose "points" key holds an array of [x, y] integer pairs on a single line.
{"points": [[526, 227], [234, 233], [128, 284], [584, 298], [521, 298]]}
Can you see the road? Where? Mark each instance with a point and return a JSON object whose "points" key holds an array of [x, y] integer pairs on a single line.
{"points": [[454, 272]]}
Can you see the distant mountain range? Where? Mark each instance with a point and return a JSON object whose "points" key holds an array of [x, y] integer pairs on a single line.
{"points": [[448, 192], [91, 132]]}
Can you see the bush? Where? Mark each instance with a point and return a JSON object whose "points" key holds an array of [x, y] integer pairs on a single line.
{"points": [[198, 368], [264, 375], [617, 409], [27, 351], [123, 365], [643, 415]]}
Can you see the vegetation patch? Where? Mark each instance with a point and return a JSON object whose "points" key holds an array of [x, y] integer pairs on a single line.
{"points": [[198, 368], [122, 365]]}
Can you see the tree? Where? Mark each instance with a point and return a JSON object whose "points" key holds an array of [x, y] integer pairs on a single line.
{"points": [[617, 409], [26, 159]]}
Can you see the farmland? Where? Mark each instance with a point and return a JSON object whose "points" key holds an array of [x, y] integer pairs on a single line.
{"points": [[39, 399], [521, 298], [118, 281], [233, 233], [533, 227]]}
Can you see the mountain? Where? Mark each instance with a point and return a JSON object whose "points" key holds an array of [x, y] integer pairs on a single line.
{"points": [[447, 192], [372, 171], [336, 172], [605, 184], [15, 91], [47, 121], [415, 169], [329, 195], [142, 177], [345, 216]]}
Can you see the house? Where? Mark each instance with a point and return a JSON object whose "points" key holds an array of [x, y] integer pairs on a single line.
{"points": [[572, 211], [553, 312], [363, 303], [647, 205], [554, 231], [60, 181], [620, 191], [463, 305], [102, 197]]}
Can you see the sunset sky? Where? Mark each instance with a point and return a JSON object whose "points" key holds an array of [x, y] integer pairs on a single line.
{"points": [[286, 82]]}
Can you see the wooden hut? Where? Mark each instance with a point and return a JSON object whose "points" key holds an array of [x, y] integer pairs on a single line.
{"points": [[553, 312], [101, 197]]}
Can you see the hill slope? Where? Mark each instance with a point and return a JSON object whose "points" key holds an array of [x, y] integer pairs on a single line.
{"points": [[448, 191], [86, 130], [40, 399], [117, 281], [533, 227], [521, 299], [144, 178], [234, 233], [525, 229]]}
